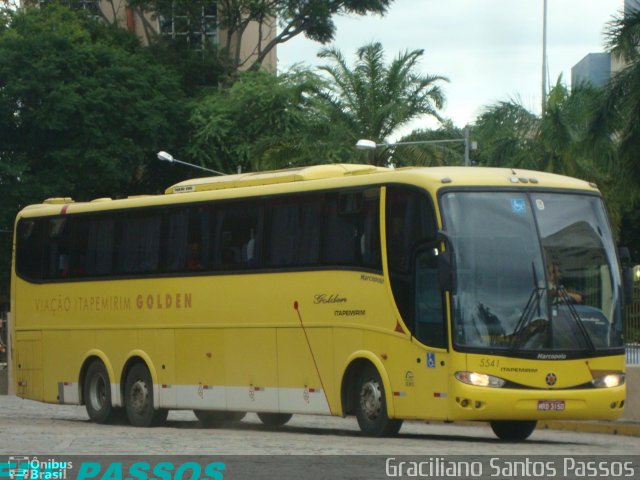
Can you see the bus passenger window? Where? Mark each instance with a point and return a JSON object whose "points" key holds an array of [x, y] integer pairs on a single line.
{"points": [[340, 233], [58, 249], [429, 311], [410, 225], [176, 240], [29, 246], [239, 237], [139, 248], [194, 258], [294, 231], [100, 248]]}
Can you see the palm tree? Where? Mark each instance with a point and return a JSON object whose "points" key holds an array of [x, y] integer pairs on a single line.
{"points": [[373, 100], [623, 92], [572, 137], [432, 154]]}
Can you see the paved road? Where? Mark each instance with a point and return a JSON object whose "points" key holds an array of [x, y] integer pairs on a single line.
{"points": [[30, 428]]}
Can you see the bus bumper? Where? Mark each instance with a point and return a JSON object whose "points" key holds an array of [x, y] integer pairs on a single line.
{"points": [[485, 403]]}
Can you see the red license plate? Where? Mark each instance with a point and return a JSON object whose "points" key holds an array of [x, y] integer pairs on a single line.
{"points": [[551, 405]]}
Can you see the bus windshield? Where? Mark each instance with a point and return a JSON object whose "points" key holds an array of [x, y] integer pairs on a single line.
{"points": [[534, 273]]}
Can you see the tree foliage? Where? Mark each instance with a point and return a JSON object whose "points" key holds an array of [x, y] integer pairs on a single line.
{"points": [[373, 100], [570, 138], [313, 18], [77, 97], [260, 122], [623, 92], [432, 154]]}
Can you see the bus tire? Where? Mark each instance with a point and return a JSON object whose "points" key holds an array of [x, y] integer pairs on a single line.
{"points": [[371, 405], [96, 392], [274, 419], [138, 398], [217, 418], [513, 430]]}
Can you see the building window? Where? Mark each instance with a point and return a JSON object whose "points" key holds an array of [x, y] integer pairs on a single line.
{"points": [[194, 25], [92, 7]]}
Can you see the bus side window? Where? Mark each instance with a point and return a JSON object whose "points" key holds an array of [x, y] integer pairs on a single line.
{"points": [[369, 228], [294, 231], [176, 240], [410, 224], [100, 246], [239, 236], [139, 246], [340, 231], [57, 253], [30, 238], [429, 312]]}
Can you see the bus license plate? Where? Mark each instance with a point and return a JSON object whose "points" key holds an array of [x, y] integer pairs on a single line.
{"points": [[551, 405]]}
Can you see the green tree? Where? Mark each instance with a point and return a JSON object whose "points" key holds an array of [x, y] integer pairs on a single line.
{"points": [[623, 92], [373, 100], [260, 122], [432, 154], [82, 112], [313, 18], [571, 138], [82, 109]]}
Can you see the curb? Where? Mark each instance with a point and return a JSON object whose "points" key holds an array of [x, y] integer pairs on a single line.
{"points": [[623, 428], [629, 429]]}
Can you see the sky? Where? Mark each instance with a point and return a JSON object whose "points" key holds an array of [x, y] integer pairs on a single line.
{"points": [[491, 50]]}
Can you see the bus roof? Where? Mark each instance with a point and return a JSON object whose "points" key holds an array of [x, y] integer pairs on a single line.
{"points": [[253, 179], [323, 176]]}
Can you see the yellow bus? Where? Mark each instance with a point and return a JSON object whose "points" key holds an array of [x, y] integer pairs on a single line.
{"points": [[416, 293]]}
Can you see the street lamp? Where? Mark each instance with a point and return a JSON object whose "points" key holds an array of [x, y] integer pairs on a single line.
{"points": [[364, 144], [167, 157]]}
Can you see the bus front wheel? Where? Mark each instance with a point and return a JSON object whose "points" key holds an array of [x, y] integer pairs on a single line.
{"points": [[138, 398], [513, 430], [96, 391], [371, 406], [274, 419]]}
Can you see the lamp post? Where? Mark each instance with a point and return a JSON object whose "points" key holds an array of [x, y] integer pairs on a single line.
{"points": [[364, 144], [167, 157]]}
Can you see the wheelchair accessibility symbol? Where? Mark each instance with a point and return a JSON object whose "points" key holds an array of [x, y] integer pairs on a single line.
{"points": [[431, 360]]}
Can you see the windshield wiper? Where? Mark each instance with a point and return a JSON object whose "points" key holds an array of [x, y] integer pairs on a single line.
{"points": [[566, 298], [525, 319]]}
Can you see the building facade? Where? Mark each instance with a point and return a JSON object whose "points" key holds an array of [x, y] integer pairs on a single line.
{"points": [[593, 69], [196, 26]]}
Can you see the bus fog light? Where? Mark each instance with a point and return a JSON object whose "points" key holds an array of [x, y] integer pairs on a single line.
{"points": [[480, 379], [608, 381]]}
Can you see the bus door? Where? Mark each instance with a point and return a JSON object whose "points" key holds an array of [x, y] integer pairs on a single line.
{"points": [[412, 262], [430, 334]]}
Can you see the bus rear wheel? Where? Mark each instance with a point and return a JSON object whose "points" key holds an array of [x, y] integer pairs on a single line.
{"points": [[513, 430], [217, 418], [371, 406], [274, 419], [138, 398], [96, 392]]}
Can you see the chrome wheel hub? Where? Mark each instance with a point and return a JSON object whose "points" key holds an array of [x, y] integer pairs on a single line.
{"points": [[98, 393], [139, 397], [371, 399]]}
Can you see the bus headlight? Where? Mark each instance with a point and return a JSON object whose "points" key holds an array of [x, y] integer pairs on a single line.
{"points": [[480, 379], [608, 381]]}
